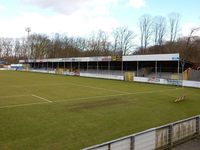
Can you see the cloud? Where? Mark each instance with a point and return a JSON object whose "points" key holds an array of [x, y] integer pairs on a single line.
{"points": [[136, 3], [187, 27], [73, 25], [68, 6], [2, 8], [76, 18]]}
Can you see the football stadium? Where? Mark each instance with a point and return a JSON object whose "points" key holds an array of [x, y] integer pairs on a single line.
{"points": [[75, 103]]}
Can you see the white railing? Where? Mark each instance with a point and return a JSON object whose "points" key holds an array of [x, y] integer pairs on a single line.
{"points": [[162, 137]]}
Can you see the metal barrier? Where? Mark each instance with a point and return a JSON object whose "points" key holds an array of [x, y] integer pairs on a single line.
{"points": [[162, 137]]}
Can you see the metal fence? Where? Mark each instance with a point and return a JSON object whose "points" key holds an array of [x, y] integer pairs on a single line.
{"points": [[163, 137]]}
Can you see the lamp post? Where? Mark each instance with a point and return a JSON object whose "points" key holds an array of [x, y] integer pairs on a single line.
{"points": [[28, 30]]}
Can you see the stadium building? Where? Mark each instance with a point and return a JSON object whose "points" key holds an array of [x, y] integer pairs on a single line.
{"points": [[153, 67]]}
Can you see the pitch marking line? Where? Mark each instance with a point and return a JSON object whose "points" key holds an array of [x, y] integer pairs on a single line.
{"points": [[33, 85], [98, 88], [75, 84], [104, 96], [10, 96], [20, 105], [64, 100], [42, 98]]}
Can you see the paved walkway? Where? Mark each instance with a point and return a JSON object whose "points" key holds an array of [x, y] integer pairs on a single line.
{"points": [[191, 145]]}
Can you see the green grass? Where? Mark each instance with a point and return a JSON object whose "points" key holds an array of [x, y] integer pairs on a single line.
{"points": [[83, 111]]}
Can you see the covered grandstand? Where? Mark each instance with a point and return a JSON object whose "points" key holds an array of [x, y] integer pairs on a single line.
{"points": [[167, 66]]}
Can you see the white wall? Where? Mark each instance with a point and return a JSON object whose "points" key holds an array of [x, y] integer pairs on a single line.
{"points": [[186, 83], [104, 76], [191, 83], [145, 141]]}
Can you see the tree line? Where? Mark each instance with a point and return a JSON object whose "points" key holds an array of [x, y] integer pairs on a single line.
{"points": [[157, 35]]}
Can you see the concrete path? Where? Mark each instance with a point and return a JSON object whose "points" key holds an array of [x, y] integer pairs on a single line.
{"points": [[191, 145]]}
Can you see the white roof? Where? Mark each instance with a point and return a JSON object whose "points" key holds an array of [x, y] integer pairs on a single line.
{"points": [[154, 57], [72, 59]]}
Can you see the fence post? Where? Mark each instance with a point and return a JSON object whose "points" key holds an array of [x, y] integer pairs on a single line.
{"points": [[198, 125], [132, 143], [170, 136], [109, 146]]}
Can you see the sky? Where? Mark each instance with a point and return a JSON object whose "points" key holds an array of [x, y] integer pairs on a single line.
{"points": [[82, 17]]}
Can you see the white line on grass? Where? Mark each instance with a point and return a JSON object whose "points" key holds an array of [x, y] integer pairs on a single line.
{"points": [[10, 96], [98, 88], [75, 84], [41, 98], [64, 100], [122, 94], [20, 105], [31, 85]]}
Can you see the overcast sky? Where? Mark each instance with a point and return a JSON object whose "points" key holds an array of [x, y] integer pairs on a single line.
{"points": [[81, 17]]}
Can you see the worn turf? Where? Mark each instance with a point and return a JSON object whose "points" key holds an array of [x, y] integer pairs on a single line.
{"points": [[48, 112]]}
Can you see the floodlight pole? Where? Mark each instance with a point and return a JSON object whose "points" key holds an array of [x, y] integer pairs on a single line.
{"points": [[28, 30]]}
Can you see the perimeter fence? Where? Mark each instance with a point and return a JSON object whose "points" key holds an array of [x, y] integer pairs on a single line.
{"points": [[163, 137]]}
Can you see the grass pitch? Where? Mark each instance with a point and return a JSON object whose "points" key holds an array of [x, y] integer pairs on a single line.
{"points": [[48, 112]]}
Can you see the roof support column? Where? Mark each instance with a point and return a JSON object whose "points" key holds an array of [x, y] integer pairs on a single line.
{"points": [[108, 67], [47, 65], [71, 66], [42, 65], [156, 69], [178, 69], [87, 65], [79, 66], [34, 64], [137, 68], [97, 66], [122, 66]]}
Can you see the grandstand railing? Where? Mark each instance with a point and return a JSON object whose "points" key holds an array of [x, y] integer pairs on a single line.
{"points": [[163, 137]]}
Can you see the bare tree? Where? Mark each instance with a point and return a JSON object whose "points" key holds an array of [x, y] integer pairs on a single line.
{"points": [[145, 24], [192, 32], [174, 20], [39, 45], [7, 47], [159, 29], [123, 40], [98, 43], [1, 47], [115, 35], [102, 41], [16, 48]]}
